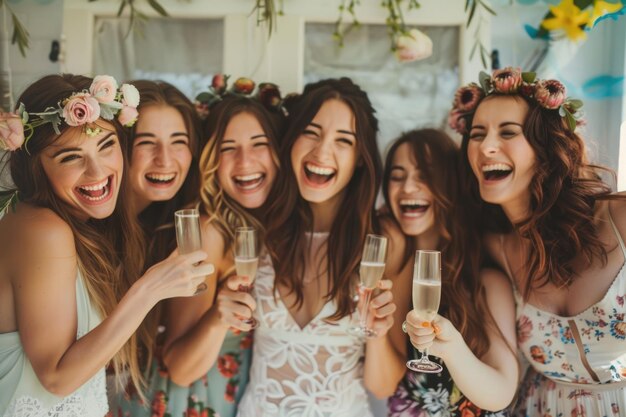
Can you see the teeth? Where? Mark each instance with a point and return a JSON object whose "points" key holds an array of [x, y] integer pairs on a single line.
{"points": [[250, 177], [406, 202], [95, 187], [161, 177], [319, 170], [496, 167]]}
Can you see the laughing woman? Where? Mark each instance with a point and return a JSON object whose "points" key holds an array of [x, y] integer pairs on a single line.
{"points": [[60, 275], [304, 360], [558, 234], [207, 361], [476, 339]]}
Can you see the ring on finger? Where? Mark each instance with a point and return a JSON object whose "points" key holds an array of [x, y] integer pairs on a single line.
{"points": [[404, 326]]}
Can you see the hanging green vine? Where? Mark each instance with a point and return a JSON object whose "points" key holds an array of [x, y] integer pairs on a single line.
{"points": [[472, 6], [267, 12], [20, 35]]}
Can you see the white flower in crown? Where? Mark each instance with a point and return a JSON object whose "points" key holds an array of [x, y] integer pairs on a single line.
{"points": [[103, 88], [413, 46], [130, 95]]}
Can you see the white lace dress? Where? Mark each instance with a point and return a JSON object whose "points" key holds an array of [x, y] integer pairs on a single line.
{"points": [[21, 393], [315, 371]]}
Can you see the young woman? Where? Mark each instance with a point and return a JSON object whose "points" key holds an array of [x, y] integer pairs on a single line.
{"points": [[60, 275], [238, 168], [304, 361], [476, 325], [552, 226], [163, 177]]}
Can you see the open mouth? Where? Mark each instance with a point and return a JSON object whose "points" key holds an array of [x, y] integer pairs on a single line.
{"points": [[250, 181], [160, 179], [496, 172], [413, 207], [95, 193], [318, 175]]}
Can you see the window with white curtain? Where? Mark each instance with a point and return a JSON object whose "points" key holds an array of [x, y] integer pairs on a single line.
{"points": [[405, 95], [183, 52]]}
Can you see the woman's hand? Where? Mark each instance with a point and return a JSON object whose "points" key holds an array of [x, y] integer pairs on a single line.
{"points": [[233, 305], [177, 276], [437, 336], [381, 308]]}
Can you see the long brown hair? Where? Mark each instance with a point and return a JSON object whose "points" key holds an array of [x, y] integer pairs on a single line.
{"points": [[110, 251], [563, 194], [223, 211], [290, 216], [463, 299]]}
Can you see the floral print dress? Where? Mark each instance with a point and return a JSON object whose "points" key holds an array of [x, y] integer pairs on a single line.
{"points": [[215, 395], [578, 364], [432, 395]]}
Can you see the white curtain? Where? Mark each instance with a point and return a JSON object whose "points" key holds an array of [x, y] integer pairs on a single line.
{"points": [[183, 52], [405, 95]]}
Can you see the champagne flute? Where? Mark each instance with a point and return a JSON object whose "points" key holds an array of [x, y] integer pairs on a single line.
{"points": [[370, 273], [426, 297], [246, 258], [188, 236]]}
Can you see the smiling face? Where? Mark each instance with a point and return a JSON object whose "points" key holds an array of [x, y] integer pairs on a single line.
{"points": [[246, 169], [410, 198], [85, 172], [161, 155], [324, 156], [500, 156]]}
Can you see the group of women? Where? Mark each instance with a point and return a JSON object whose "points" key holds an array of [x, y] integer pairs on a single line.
{"points": [[530, 236]]}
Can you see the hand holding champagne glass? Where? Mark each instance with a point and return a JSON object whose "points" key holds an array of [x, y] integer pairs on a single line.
{"points": [[370, 273], [426, 298], [188, 236], [246, 257]]}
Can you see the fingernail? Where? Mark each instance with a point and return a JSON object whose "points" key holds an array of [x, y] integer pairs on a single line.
{"points": [[436, 329], [425, 324]]}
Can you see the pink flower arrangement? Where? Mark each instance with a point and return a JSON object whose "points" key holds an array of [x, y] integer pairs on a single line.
{"points": [[550, 94], [80, 109], [456, 121], [413, 46], [507, 80], [11, 131], [103, 88], [466, 98], [128, 116]]}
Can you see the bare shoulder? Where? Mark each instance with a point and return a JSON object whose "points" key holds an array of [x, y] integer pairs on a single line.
{"points": [[617, 207], [214, 245], [42, 232], [495, 282]]}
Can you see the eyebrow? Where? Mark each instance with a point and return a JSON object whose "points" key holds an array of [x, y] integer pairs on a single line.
{"points": [[152, 135], [66, 150], [501, 125], [263, 135], [347, 132]]}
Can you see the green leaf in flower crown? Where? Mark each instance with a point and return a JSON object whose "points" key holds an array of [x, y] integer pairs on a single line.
{"points": [[529, 77], [571, 121], [8, 199], [485, 81], [575, 104], [204, 97], [106, 112]]}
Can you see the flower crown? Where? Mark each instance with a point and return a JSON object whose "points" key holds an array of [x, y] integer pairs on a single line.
{"points": [[549, 94], [103, 100], [267, 94]]}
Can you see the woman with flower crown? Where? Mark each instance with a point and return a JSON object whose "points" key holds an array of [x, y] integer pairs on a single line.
{"points": [[476, 327], [552, 224], [304, 360], [163, 176], [207, 348], [71, 302]]}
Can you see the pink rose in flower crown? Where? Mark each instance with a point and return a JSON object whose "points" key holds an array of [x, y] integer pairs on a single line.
{"points": [[413, 46], [550, 94], [467, 97], [219, 83], [128, 116], [507, 80], [130, 95], [81, 108], [11, 131], [456, 121], [103, 88]]}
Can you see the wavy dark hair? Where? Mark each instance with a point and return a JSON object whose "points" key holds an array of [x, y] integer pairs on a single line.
{"points": [[290, 216], [223, 211], [564, 191], [111, 250], [463, 298]]}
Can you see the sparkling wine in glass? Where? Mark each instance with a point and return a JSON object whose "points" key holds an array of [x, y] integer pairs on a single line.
{"points": [[246, 258], [370, 273], [426, 297], [188, 236]]}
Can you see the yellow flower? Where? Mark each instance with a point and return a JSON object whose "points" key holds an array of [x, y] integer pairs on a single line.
{"points": [[600, 8], [569, 18]]}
